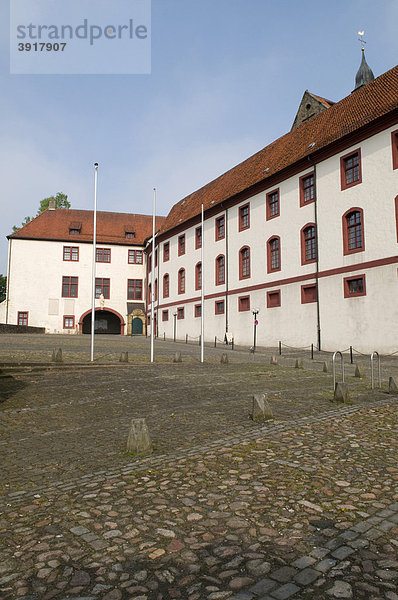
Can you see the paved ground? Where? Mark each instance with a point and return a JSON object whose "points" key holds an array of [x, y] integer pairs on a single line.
{"points": [[305, 506]]}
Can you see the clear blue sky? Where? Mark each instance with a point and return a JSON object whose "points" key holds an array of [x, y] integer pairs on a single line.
{"points": [[227, 78]]}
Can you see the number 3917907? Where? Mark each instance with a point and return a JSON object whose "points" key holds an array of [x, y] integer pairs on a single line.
{"points": [[42, 47]]}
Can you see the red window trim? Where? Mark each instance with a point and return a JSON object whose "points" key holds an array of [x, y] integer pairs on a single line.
{"points": [[77, 286], [241, 276], [301, 189], [241, 227], [197, 286], [346, 281], [304, 261], [180, 290], [166, 251], [195, 310], [267, 210], [343, 159], [134, 286], [219, 312], [181, 251], [70, 259], [197, 245], [102, 252], [134, 262], [179, 309], [166, 295], [305, 300], [394, 144], [217, 279], [271, 303], [69, 317], [269, 262], [102, 279], [165, 315], [240, 301], [346, 249], [24, 312], [217, 236]]}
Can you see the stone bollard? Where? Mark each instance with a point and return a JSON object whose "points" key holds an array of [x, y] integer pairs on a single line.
{"points": [[326, 367], [299, 363], [224, 359], [124, 357], [341, 392], [177, 357], [274, 360], [358, 372], [139, 440], [57, 356], [392, 386], [260, 409]]}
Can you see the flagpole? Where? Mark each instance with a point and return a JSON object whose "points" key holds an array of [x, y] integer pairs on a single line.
{"points": [[94, 258], [153, 276], [202, 328]]}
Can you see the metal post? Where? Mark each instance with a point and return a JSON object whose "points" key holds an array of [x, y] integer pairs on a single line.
{"points": [[94, 260], [280, 348], [378, 370], [153, 276], [186, 338], [164, 336], [175, 326], [351, 359], [312, 351], [233, 341], [202, 292], [200, 340], [255, 323], [215, 341]]}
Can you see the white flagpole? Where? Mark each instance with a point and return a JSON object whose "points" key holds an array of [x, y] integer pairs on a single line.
{"points": [[94, 260], [202, 328], [153, 276]]}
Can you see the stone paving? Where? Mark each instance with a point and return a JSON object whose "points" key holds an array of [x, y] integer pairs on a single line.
{"points": [[304, 506]]}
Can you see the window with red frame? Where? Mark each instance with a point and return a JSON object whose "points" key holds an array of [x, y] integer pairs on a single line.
{"points": [[272, 204], [219, 307], [156, 289], [244, 263], [103, 255], [220, 270], [181, 245], [243, 303], [198, 276], [166, 285], [198, 310], [353, 232], [134, 289], [70, 287], [71, 253], [149, 294], [220, 228], [244, 217], [307, 189], [180, 313], [181, 281], [69, 322], [165, 315], [274, 254], [354, 286], [198, 237], [308, 244], [135, 257], [394, 144], [166, 251], [273, 299], [23, 317], [350, 169], [156, 258], [102, 286], [308, 293]]}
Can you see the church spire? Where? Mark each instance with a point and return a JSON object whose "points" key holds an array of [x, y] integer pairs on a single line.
{"points": [[365, 73]]}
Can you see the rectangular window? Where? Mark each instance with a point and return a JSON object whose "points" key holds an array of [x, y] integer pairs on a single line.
{"points": [[219, 307], [129, 235], [71, 253], [70, 287], [354, 286], [135, 257], [198, 237], [180, 313], [220, 228], [134, 289], [103, 255], [23, 317], [307, 189], [181, 245], [165, 315], [272, 205], [69, 322], [308, 293], [273, 299], [156, 258], [198, 310], [350, 169], [243, 303], [244, 217], [102, 286], [394, 143], [166, 251]]}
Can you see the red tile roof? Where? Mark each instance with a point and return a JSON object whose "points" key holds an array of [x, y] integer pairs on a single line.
{"points": [[54, 225], [327, 103], [365, 105]]}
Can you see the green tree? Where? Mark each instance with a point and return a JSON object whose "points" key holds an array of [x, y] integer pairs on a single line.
{"points": [[61, 201], [3, 284]]}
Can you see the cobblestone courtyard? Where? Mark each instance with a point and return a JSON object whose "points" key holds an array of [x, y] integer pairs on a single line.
{"points": [[305, 506]]}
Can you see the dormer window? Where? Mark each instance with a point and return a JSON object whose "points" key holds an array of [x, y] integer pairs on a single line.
{"points": [[74, 228], [129, 234]]}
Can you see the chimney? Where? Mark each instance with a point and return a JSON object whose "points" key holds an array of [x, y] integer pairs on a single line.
{"points": [[51, 204]]}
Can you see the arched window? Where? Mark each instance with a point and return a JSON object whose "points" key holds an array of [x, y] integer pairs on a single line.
{"points": [[353, 231], [166, 285], [244, 262], [273, 254], [308, 244], [220, 269], [181, 281], [198, 276]]}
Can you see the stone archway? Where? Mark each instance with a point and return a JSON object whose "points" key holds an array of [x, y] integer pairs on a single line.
{"points": [[107, 321]]}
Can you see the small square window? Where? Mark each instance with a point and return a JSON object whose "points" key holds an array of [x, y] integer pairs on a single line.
{"points": [[103, 255], [180, 313], [350, 169], [129, 235], [165, 315], [244, 217], [198, 310], [23, 318], [181, 245], [70, 287], [69, 322], [219, 307], [71, 253], [273, 299], [244, 303], [135, 257], [308, 294], [354, 286], [272, 205], [102, 286]]}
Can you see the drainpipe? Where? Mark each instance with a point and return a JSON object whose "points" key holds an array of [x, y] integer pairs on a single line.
{"points": [[8, 278], [318, 312]]}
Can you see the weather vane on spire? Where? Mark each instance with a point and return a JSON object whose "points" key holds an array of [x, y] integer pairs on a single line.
{"points": [[360, 39]]}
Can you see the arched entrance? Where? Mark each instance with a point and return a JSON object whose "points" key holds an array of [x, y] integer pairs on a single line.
{"points": [[106, 321], [136, 322]]}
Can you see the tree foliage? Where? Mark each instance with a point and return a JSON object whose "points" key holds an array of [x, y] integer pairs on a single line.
{"points": [[61, 201], [3, 287]]}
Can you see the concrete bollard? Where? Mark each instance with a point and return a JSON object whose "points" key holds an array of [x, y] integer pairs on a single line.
{"points": [[274, 360], [124, 357], [177, 357], [224, 359], [139, 440], [299, 363], [260, 409], [326, 367], [358, 372], [341, 392], [57, 356], [392, 386]]}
